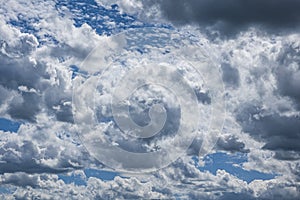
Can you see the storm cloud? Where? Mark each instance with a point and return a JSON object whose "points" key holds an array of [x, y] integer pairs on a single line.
{"points": [[231, 16], [280, 133]]}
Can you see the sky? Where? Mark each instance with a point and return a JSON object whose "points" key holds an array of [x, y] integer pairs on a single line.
{"points": [[156, 99]]}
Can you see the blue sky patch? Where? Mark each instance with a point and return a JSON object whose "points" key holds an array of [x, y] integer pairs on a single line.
{"points": [[8, 125], [233, 165], [79, 180]]}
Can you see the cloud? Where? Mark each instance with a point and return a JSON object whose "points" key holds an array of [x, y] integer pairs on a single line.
{"points": [[231, 144], [180, 180], [20, 179], [35, 78], [228, 16], [233, 15], [230, 75], [52, 147], [261, 75], [278, 132], [288, 71]]}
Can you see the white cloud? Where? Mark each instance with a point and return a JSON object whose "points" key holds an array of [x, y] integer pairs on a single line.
{"points": [[261, 76]]}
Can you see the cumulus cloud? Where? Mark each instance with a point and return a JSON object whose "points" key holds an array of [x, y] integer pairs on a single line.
{"points": [[20, 179], [180, 180], [36, 89], [262, 89], [42, 150], [34, 78], [19, 71], [231, 144], [260, 74]]}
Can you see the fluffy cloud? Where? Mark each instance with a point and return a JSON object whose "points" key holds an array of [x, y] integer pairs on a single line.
{"points": [[180, 180], [232, 144], [43, 149], [260, 74]]}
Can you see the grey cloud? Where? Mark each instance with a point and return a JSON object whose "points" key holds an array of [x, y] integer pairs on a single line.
{"points": [[25, 158], [26, 109], [188, 182], [289, 84], [287, 155], [58, 102], [25, 46], [236, 196], [5, 93], [35, 150], [203, 97], [65, 114], [288, 72], [280, 133], [20, 179], [231, 144], [63, 50], [181, 180], [18, 70], [231, 16], [296, 171], [195, 147], [230, 75]]}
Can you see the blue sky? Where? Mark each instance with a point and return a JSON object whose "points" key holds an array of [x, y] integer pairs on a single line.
{"points": [[8, 125]]}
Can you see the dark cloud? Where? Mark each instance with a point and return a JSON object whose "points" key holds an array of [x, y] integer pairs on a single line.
{"points": [[288, 72], [4, 94], [231, 144], [64, 114], [203, 97], [195, 147], [236, 196], [280, 133], [296, 171], [26, 158], [21, 179], [231, 15], [17, 71], [26, 109], [230, 75], [20, 72], [58, 103], [287, 155]]}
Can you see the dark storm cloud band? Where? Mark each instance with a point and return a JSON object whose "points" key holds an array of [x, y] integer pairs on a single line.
{"points": [[233, 14]]}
